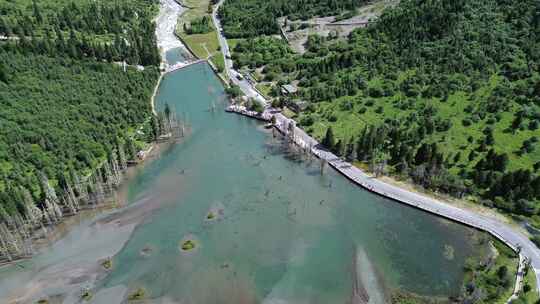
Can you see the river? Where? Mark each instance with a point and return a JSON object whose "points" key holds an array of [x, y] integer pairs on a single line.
{"points": [[282, 232], [267, 226]]}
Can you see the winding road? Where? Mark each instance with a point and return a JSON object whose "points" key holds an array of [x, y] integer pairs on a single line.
{"points": [[509, 235]]}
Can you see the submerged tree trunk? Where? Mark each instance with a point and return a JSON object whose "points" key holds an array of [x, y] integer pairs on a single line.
{"points": [[3, 242]]}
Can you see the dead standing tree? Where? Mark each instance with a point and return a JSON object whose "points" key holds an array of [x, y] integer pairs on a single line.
{"points": [[291, 131], [52, 207], [4, 248], [33, 213], [11, 243], [122, 159], [323, 165], [16, 232]]}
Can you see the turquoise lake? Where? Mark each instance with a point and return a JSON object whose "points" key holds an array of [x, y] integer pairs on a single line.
{"points": [[279, 230], [286, 232]]}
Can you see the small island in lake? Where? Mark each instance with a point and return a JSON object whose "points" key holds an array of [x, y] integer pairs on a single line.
{"points": [[188, 245], [107, 264], [139, 294]]}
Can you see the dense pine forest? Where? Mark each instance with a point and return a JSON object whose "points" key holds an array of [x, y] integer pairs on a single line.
{"points": [[64, 116], [248, 18], [445, 93], [111, 31], [66, 108]]}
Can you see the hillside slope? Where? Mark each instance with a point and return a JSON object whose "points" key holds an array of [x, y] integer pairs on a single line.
{"points": [[65, 107], [444, 92]]}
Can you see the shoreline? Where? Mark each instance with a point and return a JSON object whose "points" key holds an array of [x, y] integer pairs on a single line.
{"points": [[406, 184], [116, 200], [460, 203], [189, 49], [508, 234], [55, 232], [152, 99], [42, 240], [311, 145]]}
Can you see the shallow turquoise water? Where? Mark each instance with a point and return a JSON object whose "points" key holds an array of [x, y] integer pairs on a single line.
{"points": [[175, 55], [285, 232]]}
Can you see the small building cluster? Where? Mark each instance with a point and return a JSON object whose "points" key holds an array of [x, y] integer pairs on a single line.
{"points": [[293, 102]]}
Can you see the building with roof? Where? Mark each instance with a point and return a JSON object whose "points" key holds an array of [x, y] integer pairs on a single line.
{"points": [[289, 89]]}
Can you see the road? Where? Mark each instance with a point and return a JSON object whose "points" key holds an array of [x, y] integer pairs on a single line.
{"points": [[246, 87], [502, 231], [511, 236]]}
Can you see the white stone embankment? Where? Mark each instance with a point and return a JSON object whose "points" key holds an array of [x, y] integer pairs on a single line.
{"points": [[169, 12]]}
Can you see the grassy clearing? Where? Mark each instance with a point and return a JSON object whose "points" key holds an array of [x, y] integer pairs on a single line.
{"points": [[198, 8], [377, 7], [264, 89], [233, 43], [347, 123], [288, 113], [219, 61], [507, 259], [202, 45], [492, 273], [529, 285], [456, 138]]}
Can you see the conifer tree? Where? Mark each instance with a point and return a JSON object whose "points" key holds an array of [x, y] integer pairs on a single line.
{"points": [[329, 140], [37, 12], [3, 74]]}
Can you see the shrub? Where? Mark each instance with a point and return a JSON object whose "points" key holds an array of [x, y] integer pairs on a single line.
{"points": [[188, 245], [346, 105], [306, 121], [138, 294], [502, 272], [375, 92], [234, 91], [536, 240], [533, 125], [370, 102], [256, 106]]}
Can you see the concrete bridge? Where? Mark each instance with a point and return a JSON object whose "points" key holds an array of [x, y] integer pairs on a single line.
{"points": [[181, 65]]}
